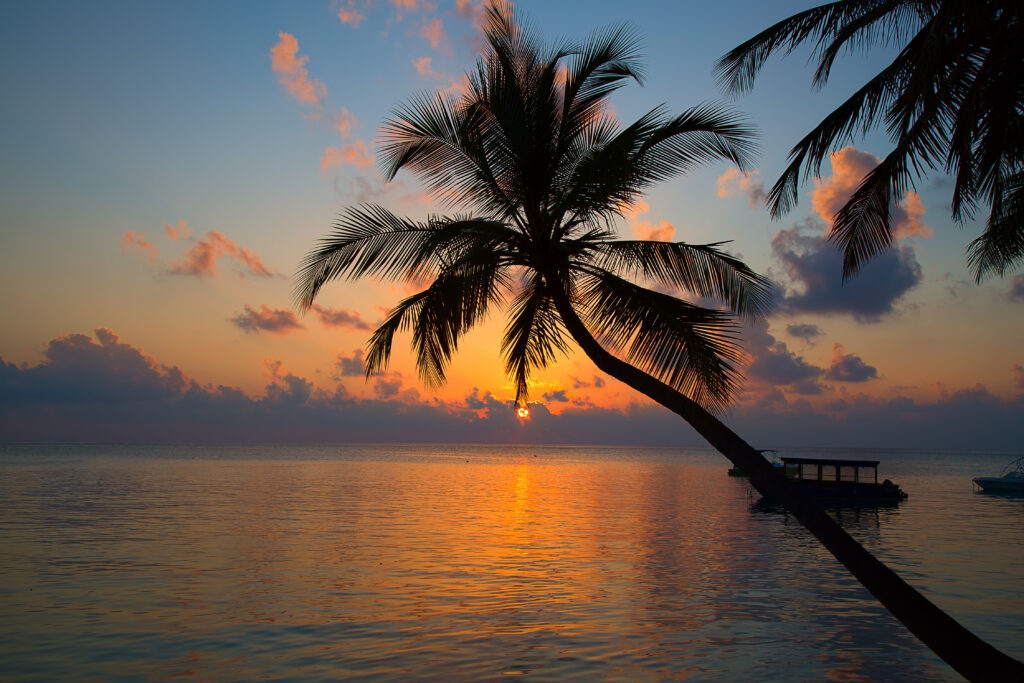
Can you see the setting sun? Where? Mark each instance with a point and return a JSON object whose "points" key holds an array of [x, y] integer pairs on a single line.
{"points": [[523, 413]]}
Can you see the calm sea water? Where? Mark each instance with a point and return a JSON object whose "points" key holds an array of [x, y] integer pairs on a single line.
{"points": [[477, 563]]}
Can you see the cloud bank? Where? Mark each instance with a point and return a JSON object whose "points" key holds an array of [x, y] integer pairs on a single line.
{"points": [[98, 388]]}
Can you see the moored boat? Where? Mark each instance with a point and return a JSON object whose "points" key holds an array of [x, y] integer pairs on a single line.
{"points": [[1010, 481], [841, 480]]}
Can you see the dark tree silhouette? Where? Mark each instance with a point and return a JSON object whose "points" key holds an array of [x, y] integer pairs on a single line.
{"points": [[952, 99], [533, 150]]}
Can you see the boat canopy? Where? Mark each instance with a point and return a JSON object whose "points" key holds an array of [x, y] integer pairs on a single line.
{"points": [[828, 469]]}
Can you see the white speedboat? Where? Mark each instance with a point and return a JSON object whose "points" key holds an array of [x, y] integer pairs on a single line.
{"points": [[1010, 481]]}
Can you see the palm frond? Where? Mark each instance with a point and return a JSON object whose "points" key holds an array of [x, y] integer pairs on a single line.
{"points": [[369, 240], [692, 349], [534, 337], [440, 315], [652, 149], [1000, 248], [703, 269], [438, 138], [832, 28]]}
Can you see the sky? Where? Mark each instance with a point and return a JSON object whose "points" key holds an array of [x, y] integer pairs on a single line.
{"points": [[164, 167]]}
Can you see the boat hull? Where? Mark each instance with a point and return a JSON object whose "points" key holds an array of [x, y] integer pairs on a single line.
{"points": [[843, 490], [1000, 484]]}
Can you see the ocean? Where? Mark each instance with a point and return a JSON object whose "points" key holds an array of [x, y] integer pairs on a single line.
{"points": [[429, 562]]}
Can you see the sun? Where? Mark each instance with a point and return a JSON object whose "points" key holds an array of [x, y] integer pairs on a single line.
{"points": [[523, 413]]}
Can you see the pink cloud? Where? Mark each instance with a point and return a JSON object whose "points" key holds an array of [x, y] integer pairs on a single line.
{"points": [[350, 366], [179, 232], [471, 10], [132, 239], [343, 122], [662, 231], [350, 15], [457, 86], [424, 68], [849, 166], [355, 154], [292, 73], [273, 320], [433, 32], [201, 259], [404, 6], [734, 180], [849, 367], [336, 317]]}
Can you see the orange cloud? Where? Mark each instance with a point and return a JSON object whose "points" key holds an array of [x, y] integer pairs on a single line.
{"points": [[424, 68], [849, 166], [343, 122], [734, 180], [459, 86], [292, 73], [273, 320], [179, 232], [137, 240], [663, 231], [433, 32], [350, 15], [470, 10], [356, 154], [336, 317], [201, 259]]}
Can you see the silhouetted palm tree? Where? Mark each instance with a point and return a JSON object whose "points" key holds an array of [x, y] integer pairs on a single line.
{"points": [[952, 99], [533, 149]]}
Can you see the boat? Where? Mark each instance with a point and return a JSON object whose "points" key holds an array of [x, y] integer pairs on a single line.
{"points": [[841, 480], [1010, 481]]}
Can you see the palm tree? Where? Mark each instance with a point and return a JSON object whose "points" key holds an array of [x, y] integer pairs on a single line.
{"points": [[533, 150], [952, 99]]}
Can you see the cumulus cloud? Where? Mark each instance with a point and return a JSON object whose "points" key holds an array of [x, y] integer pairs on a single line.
{"points": [[734, 180], [432, 31], [773, 364], [181, 231], [350, 15], [336, 317], [350, 366], [405, 5], [1016, 292], [848, 367], [137, 240], [98, 388], [849, 166], [354, 154], [343, 122], [814, 268], [292, 72], [807, 332], [387, 388], [274, 320], [663, 231], [424, 68], [556, 396], [579, 383], [201, 258]]}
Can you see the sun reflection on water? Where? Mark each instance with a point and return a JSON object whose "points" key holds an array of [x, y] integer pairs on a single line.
{"points": [[462, 566]]}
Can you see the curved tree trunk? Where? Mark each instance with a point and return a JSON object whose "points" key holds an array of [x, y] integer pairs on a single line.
{"points": [[972, 657]]}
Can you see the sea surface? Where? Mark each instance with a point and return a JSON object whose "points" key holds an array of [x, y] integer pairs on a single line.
{"points": [[409, 562]]}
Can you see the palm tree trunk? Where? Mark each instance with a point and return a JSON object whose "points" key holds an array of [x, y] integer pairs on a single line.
{"points": [[972, 657]]}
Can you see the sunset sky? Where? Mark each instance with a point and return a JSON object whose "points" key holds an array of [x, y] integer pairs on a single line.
{"points": [[164, 167]]}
